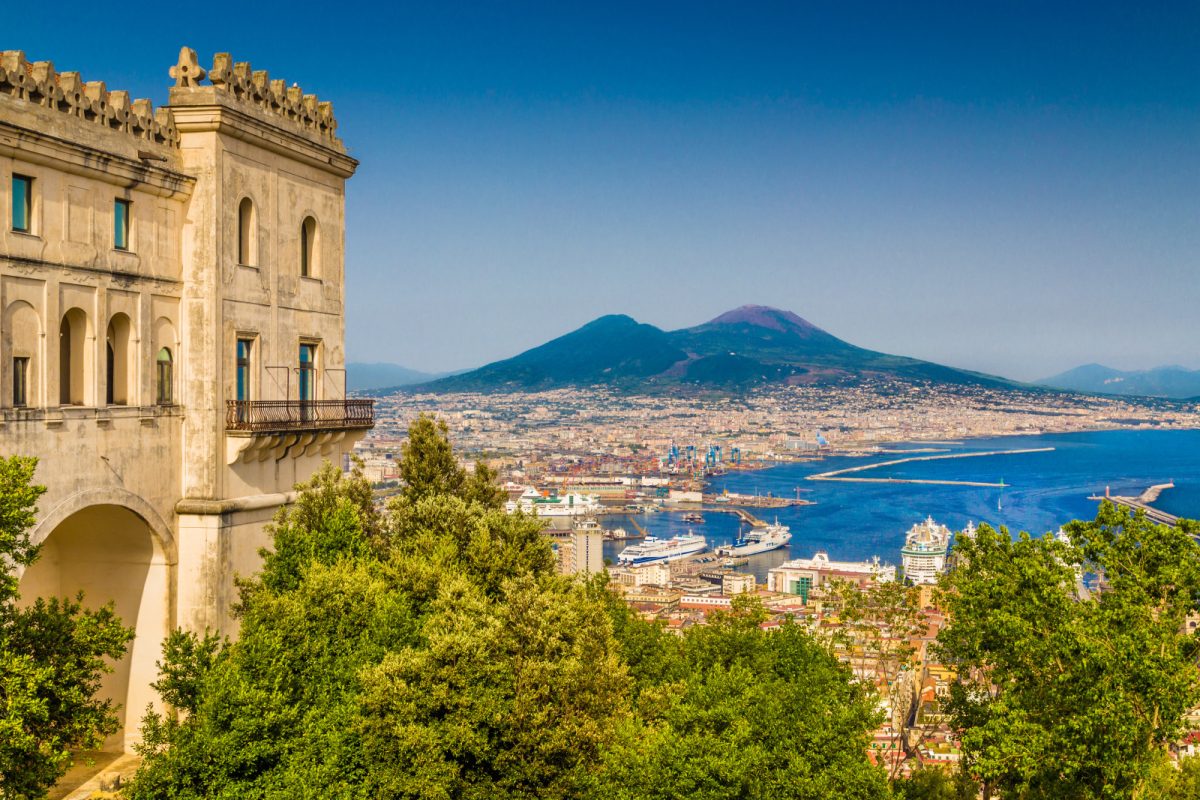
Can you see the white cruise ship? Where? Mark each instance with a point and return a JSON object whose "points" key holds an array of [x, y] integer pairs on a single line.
{"points": [[572, 504], [758, 540], [924, 551], [654, 550]]}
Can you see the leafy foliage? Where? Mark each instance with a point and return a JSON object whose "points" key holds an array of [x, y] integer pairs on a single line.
{"points": [[53, 653], [1062, 693], [431, 652], [735, 712]]}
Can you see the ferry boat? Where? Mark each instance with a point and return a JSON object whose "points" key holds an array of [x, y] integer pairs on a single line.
{"points": [[758, 540], [572, 504], [693, 517], [655, 550]]}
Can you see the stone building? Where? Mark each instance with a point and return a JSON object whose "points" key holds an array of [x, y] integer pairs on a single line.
{"points": [[171, 333]]}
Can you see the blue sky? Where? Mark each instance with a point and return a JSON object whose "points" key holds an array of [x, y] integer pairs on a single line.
{"points": [[1012, 187]]}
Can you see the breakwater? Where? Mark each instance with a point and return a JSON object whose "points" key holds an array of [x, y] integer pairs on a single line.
{"points": [[845, 475]]}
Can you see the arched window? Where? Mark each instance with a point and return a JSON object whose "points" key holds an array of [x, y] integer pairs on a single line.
{"points": [[22, 331], [118, 378], [163, 365], [73, 360], [247, 236], [308, 248]]}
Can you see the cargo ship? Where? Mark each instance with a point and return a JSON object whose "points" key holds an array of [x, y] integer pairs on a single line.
{"points": [[655, 550], [758, 540]]}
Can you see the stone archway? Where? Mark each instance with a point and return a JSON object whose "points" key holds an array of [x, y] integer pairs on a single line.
{"points": [[111, 554]]}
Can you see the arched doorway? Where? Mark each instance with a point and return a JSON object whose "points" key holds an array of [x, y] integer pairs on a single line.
{"points": [[112, 555]]}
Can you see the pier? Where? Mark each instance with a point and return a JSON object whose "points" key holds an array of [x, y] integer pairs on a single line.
{"points": [[1142, 503], [844, 474], [740, 513]]}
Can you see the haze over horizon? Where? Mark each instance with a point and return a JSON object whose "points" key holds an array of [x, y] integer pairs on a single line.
{"points": [[1010, 188]]}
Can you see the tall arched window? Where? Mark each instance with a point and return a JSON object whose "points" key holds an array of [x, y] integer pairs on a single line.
{"points": [[163, 378], [247, 236], [22, 331], [73, 360], [308, 248], [118, 375]]}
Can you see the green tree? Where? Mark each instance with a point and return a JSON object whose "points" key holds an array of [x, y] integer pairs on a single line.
{"points": [[502, 697], [932, 783], [53, 653], [345, 594], [1066, 694], [743, 714], [429, 467], [878, 626]]}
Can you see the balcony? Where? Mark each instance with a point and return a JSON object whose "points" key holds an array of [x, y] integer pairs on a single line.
{"points": [[256, 430], [298, 416]]}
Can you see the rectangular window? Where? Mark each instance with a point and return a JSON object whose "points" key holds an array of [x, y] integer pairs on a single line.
{"points": [[20, 396], [308, 380], [22, 203], [244, 347], [308, 367], [121, 224]]}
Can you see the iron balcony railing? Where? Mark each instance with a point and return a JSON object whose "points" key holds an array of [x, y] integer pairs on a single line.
{"points": [[282, 416]]}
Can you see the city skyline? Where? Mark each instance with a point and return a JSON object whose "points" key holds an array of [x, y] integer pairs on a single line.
{"points": [[1013, 191]]}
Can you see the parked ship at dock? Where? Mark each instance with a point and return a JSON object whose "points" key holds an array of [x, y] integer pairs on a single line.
{"points": [[758, 540], [655, 550]]}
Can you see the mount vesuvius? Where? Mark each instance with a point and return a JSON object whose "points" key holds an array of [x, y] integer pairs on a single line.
{"points": [[747, 347]]}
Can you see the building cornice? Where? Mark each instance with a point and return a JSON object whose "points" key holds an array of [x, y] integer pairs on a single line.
{"points": [[238, 124], [52, 151]]}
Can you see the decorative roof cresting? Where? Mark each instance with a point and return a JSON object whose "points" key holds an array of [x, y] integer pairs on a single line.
{"points": [[257, 88], [40, 84]]}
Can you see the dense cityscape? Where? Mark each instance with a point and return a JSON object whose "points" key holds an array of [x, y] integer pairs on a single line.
{"points": [[583, 454]]}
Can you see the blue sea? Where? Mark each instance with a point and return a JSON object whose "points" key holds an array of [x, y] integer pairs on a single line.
{"points": [[854, 521]]}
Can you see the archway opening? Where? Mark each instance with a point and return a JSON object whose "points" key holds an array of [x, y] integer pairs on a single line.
{"points": [[119, 372], [73, 358], [110, 554]]}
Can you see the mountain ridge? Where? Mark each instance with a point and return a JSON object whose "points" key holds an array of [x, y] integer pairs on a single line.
{"points": [[1171, 382], [742, 348]]}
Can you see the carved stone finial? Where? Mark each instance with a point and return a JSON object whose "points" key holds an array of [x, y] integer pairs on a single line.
{"points": [[187, 72]]}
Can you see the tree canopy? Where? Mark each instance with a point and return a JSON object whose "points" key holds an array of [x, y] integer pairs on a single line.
{"points": [[430, 651], [1063, 692]]}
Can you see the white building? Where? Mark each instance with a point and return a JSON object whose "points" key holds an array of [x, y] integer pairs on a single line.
{"points": [[803, 575], [924, 553]]}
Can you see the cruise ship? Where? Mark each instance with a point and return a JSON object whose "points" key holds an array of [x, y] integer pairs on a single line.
{"points": [[655, 550], [758, 540], [924, 551], [572, 504]]}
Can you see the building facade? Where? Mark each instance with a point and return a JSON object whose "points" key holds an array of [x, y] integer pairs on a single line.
{"points": [[171, 333], [803, 576]]}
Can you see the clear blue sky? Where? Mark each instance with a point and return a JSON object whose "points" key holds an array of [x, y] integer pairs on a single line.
{"points": [[1012, 187]]}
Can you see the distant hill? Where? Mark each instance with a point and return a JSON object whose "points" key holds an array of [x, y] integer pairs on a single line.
{"points": [[361, 377], [740, 349], [1170, 382]]}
